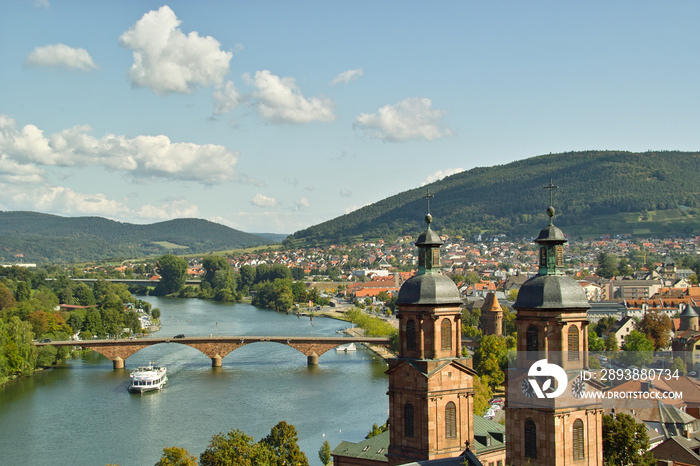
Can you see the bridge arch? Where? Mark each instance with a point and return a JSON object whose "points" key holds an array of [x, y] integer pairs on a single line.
{"points": [[216, 348]]}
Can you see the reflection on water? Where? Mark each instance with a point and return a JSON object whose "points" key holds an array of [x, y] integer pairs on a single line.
{"points": [[82, 413]]}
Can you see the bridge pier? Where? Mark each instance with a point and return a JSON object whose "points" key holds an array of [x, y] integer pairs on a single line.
{"points": [[312, 359], [118, 363], [216, 361]]}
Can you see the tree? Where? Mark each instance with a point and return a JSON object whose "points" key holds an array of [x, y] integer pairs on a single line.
{"points": [[513, 295], [46, 356], [219, 275], [173, 274], [297, 273], [607, 265], [83, 295], [282, 441], [611, 343], [472, 277], [93, 322], [112, 321], [20, 352], [604, 324], [234, 448], [637, 349], [595, 343], [482, 395], [176, 456], [324, 453], [678, 365], [656, 325], [6, 297], [247, 274], [490, 358], [279, 271], [625, 442], [211, 264], [24, 291]]}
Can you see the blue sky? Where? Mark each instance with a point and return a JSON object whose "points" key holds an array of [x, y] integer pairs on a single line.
{"points": [[273, 116]]}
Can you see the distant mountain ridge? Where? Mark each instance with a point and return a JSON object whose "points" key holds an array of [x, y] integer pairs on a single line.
{"points": [[37, 237], [600, 192]]}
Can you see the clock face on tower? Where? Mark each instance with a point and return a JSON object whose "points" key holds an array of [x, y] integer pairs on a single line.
{"points": [[578, 387], [527, 388]]}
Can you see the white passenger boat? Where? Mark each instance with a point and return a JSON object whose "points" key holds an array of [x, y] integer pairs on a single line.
{"points": [[148, 378], [348, 347]]}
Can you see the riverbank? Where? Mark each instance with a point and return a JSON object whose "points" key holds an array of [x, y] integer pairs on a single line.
{"points": [[257, 386]]}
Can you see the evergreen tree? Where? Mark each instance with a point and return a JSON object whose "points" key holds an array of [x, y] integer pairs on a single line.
{"points": [[324, 453]]}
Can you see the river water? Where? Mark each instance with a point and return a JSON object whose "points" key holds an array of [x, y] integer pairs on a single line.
{"points": [[81, 413]]}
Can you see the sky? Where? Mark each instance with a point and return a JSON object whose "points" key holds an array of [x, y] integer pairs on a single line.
{"points": [[273, 116]]}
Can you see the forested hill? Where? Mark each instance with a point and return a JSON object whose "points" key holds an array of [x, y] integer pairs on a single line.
{"points": [[42, 238], [600, 192]]}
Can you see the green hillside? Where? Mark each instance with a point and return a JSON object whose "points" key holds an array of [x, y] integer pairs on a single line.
{"points": [[600, 192], [42, 238]]}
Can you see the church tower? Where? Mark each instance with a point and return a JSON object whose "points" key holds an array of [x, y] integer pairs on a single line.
{"points": [[430, 385], [491, 316], [549, 421]]}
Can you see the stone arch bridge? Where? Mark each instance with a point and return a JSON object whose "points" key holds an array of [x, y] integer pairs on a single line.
{"points": [[218, 347]]}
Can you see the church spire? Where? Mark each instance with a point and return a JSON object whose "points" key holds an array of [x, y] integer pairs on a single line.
{"points": [[551, 240], [428, 244]]}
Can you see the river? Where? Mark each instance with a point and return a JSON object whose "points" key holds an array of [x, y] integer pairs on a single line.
{"points": [[80, 413]]}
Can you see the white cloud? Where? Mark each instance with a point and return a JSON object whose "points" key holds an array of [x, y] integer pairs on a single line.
{"points": [[13, 172], [178, 208], [345, 193], [39, 196], [226, 98], [166, 60], [261, 200], [440, 174], [412, 118], [301, 204], [65, 201], [279, 100], [347, 76], [142, 156], [61, 55]]}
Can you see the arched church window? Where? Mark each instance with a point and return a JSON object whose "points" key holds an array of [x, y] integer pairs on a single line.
{"points": [[573, 343], [531, 342], [530, 439], [411, 334], [450, 420], [408, 420], [446, 334], [579, 450]]}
